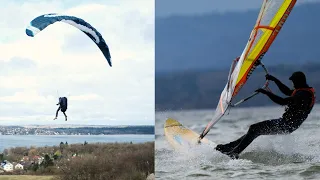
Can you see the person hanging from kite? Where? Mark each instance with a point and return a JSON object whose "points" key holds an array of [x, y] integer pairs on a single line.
{"points": [[298, 106], [63, 105]]}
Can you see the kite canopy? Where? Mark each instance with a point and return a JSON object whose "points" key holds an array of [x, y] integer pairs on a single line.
{"points": [[43, 21]]}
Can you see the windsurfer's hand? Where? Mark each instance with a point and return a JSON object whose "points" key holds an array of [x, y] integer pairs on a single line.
{"points": [[270, 77], [260, 90]]}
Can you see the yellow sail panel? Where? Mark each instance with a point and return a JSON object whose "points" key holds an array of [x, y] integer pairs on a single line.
{"points": [[272, 15]]}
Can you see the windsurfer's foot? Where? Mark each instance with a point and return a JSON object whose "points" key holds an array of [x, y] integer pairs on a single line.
{"points": [[223, 148], [55, 118], [233, 155]]}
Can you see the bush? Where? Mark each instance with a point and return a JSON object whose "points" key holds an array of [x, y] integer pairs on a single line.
{"points": [[113, 161], [100, 161]]}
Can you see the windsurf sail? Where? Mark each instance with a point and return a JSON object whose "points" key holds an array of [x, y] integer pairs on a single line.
{"points": [[272, 16]]}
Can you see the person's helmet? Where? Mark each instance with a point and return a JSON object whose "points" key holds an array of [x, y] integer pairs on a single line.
{"points": [[299, 79]]}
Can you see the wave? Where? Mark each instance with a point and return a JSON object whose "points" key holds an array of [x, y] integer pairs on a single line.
{"points": [[312, 171], [273, 157]]}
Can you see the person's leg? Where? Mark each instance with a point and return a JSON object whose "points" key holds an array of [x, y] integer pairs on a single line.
{"points": [[57, 113], [228, 147], [268, 127], [64, 112], [65, 115]]}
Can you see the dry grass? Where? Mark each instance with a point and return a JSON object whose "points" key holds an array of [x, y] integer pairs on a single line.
{"points": [[100, 161], [114, 162], [25, 177]]}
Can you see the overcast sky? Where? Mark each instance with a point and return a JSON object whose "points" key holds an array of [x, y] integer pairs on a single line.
{"points": [[166, 8], [62, 60]]}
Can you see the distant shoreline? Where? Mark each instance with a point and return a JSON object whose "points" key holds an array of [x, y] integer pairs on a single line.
{"points": [[75, 135], [127, 130], [8, 141], [213, 109], [202, 89]]}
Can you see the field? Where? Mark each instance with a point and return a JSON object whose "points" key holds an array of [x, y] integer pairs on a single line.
{"points": [[25, 177], [98, 161]]}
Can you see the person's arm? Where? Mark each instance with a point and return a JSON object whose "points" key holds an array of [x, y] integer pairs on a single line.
{"points": [[283, 88], [277, 99], [300, 97], [59, 102]]}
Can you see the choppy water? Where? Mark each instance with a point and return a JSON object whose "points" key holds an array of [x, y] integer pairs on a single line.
{"points": [[7, 141], [295, 156]]}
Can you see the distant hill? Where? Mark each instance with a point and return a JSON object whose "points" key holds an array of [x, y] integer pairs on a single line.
{"points": [[201, 89], [40, 130], [212, 41]]}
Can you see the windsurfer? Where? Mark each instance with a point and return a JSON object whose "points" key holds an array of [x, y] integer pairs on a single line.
{"points": [[298, 106]]}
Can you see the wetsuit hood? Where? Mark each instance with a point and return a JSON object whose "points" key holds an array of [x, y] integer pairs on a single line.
{"points": [[299, 80]]}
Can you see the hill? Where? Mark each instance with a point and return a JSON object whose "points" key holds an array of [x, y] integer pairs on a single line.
{"points": [[201, 89], [40, 130], [212, 41]]}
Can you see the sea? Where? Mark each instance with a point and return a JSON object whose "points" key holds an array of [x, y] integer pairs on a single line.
{"points": [[293, 157], [8, 141]]}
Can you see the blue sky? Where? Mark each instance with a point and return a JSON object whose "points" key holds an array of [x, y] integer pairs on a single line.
{"points": [[63, 61], [166, 8]]}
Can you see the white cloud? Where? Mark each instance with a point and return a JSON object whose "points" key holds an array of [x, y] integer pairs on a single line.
{"points": [[86, 97], [62, 61], [27, 97]]}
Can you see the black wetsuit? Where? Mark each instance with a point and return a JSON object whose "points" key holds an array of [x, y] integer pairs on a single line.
{"points": [[298, 106], [63, 105]]}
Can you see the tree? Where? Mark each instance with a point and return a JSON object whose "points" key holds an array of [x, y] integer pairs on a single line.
{"points": [[57, 155], [34, 167], [33, 152], [6, 151], [47, 161], [61, 146]]}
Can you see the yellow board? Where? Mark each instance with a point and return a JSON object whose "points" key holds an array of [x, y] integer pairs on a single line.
{"points": [[182, 138]]}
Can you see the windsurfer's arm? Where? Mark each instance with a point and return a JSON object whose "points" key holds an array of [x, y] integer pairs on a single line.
{"points": [[277, 99], [283, 88], [297, 98]]}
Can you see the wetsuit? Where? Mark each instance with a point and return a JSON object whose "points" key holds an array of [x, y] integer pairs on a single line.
{"points": [[63, 105], [298, 106]]}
